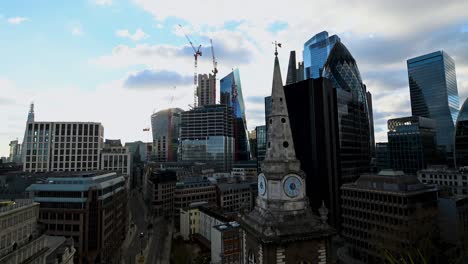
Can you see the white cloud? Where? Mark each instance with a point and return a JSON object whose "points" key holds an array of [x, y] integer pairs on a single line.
{"points": [[17, 20], [138, 35], [103, 2], [76, 31]]}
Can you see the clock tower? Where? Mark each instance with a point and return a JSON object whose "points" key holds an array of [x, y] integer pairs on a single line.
{"points": [[282, 227]]}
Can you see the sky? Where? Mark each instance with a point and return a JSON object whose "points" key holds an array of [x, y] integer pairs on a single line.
{"points": [[118, 61]]}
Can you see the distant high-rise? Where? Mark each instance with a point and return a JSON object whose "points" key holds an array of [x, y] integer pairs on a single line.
{"points": [[354, 118], [315, 54], [461, 137], [411, 143], [206, 136], [15, 151], [165, 126], [231, 95], [382, 156], [434, 93], [295, 74], [206, 91], [261, 145]]}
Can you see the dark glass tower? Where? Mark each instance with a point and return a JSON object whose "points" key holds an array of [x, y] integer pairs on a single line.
{"points": [[461, 137], [231, 95], [316, 52], [354, 118], [434, 93]]}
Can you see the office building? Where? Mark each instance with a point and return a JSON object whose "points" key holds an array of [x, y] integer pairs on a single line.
{"points": [[206, 135], [226, 244], [434, 93], [62, 146], [282, 227], [236, 197], [15, 152], [261, 145], [165, 126], [371, 123], [316, 52], [295, 73], [453, 221], [206, 89], [160, 193], [115, 157], [253, 143], [411, 143], [245, 170], [193, 190], [317, 141], [388, 212], [197, 221], [89, 207], [231, 95], [461, 137], [22, 241], [382, 156], [453, 180], [267, 108]]}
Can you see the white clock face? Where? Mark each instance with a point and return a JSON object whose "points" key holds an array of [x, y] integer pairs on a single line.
{"points": [[292, 186], [262, 184]]}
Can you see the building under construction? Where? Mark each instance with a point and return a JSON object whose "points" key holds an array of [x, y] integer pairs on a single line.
{"points": [[206, 135]]}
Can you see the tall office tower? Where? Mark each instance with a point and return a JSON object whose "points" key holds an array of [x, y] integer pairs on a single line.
{"points": [[206, 135], [62, 146], [371, 122], [412, 143], [89, 207], [390, 213], [434, 93], [206, 89], [282, 227], [165, 125], [382, 156], [261, 145], [294, 74], [15, 151], [267, 108], [317, 141], [461, 137], [354, 120], [316, 52], [116, 157], [30, 119], [231, 95]]}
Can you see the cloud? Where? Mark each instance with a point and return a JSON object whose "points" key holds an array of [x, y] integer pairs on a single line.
{"points": [[149, 79], [256, 99], [17, 20], [103, 2], [6, 101], [138, 35]]}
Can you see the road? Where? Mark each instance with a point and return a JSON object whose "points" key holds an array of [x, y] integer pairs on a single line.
{"points": [[138, 211]]}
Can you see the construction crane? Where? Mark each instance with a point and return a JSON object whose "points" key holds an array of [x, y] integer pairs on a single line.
{"points": [[215, 71], [169, 127], [197, 52]]}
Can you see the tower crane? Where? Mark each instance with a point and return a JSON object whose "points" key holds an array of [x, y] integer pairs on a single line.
{"points": [[169, 127], [197, 52], [215, 71]]}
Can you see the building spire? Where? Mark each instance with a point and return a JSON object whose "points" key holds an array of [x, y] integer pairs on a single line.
{"points": [[31, 113], [280, 145], [276, 47]]}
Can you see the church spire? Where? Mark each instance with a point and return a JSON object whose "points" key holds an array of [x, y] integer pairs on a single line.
{"points": [[280, 145]]}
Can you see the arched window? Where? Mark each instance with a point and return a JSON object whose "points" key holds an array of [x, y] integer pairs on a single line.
{"points": [[251, 258]]}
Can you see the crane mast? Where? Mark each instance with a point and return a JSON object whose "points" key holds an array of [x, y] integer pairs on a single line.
{"points": [[196, 52], [215, 71]]}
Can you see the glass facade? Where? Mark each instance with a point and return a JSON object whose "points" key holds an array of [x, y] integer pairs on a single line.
{"points": [[231, 95], [315, 54], [165, 148], [434, 93], [215, 150], [411, 143], [461, 137], [261, 144], [354, 122]]}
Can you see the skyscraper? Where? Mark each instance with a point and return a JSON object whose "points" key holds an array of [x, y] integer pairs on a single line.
{"points": [[282, 227], [434, 93], [461, 137], [354, 119], [411, 143], [231, 95], [206, 136], [15, 151], [295, 74], [165, 125], [206, 91], [315, 54]]}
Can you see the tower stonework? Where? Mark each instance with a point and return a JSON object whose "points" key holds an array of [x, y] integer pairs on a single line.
{"points": [[282, 227]]}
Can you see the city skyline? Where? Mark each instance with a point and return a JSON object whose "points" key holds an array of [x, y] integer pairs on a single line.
{"points": [[118, 61]]}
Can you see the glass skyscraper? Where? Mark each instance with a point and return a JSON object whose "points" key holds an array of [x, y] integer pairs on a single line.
{"points": [[231, 95], [165, 126], [434, 93], [315, 54], [461, 137]]}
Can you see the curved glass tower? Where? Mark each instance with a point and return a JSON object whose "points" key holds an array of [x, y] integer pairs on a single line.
{"points": [[353, 112], [461, 137]]}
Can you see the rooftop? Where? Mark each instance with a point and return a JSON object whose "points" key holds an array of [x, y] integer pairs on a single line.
{"points": [[9, 206]]}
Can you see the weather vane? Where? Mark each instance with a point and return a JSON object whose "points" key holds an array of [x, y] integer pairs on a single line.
{"points": [[276, 47]]}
